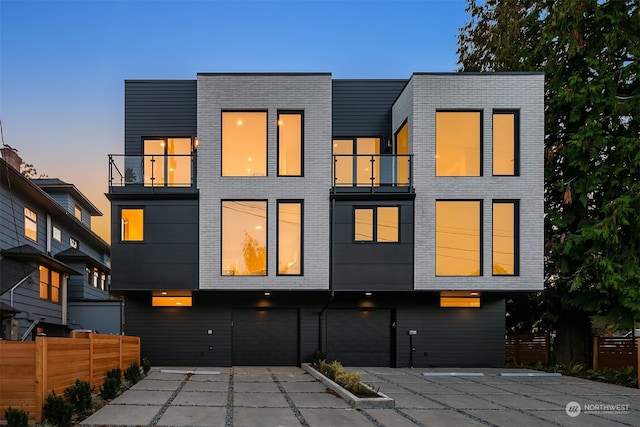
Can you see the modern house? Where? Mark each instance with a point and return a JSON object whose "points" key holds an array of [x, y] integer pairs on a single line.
{"points": [[259, 217], [54, 270]]}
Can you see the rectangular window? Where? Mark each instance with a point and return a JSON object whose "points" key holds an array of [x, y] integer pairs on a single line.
{"points": [[402, 155], [73, 242], [244, 238], [505, 238], [167, 162], [289, 237], [55, 286], [171, 299], [132, 224], [379, 224], [44, 282], [244, 143], [30, 224], [57, 234], [458, 239], [458, 143], [356, 162], [290, 144], [49, 284], [459, 299], [77, 212], [505, 143]]}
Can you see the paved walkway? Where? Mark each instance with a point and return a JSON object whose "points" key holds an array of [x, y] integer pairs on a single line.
{"points": [[287, 396]]}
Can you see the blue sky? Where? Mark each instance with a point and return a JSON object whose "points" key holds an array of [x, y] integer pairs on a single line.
{"points": [[63, 63]]}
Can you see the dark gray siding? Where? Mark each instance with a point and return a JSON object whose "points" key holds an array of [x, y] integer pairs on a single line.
{"points": [[168, 256], [264, 336], [363, 107], [372, 266], [158, 108]]}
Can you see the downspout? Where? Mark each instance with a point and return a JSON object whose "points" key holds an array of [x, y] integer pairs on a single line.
{"points": [[49, 233], [63, 297], [16, 285]]}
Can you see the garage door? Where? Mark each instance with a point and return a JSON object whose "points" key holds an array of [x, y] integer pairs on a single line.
{"points": [[265, 337], [359, 337]]}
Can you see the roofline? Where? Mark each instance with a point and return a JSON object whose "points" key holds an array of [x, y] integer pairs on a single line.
{"points": [[275, 73], [73, 190], [478, 73]]}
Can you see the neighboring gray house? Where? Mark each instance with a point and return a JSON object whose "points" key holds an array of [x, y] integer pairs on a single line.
{"points": [[54, 271], [257, 217]]}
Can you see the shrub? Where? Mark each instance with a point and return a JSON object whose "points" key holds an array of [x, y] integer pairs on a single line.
{"points": [[132, 374], [348, 380], [57, 410], [146, 365], [329, 369], [112, 384], [318, 356], [16, 417], [80, 395]]}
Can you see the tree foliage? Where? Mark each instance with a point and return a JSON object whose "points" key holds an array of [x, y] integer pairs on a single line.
{"points": [[588, 50]]}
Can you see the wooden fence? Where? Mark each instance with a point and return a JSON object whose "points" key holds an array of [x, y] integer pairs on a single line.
{"points": [[29, 371], [527, 348], [615, 353]]}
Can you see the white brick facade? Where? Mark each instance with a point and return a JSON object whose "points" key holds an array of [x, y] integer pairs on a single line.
{"points": [[310, 93]]}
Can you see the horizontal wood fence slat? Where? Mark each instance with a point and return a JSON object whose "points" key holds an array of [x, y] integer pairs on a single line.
{"points": [[527, 348], [29, 371], [615, 353]]}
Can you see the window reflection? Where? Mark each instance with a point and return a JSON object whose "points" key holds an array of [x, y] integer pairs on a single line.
{"points": [[244, 238], [457, 238], [289, 238], [290, 144], [458, 143], [504, 238], [504, 143], [244, 143], [132, 224]]}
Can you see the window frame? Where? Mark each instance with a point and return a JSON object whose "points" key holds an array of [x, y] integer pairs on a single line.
{"points": [[48, 283], [55, 230], [266, 142], [516, 236], [121, 235], [480, 142], [27, 214], [301, 258], [480, 239], [166, 183], [77, 211], [266, 237], [516, 139], [289, 112], [375, 224]]}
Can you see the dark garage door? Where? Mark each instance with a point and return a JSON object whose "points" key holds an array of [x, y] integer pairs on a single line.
{"points": [[359, 337], [265, 337]]}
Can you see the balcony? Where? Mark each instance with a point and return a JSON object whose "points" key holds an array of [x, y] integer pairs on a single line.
{"points": [[372, 173], [152, 173]]}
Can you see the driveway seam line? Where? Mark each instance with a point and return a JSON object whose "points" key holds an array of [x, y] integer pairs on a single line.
{"points": [[164, 407], [230, 390], [292, 405]]}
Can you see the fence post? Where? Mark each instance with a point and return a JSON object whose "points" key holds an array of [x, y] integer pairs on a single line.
{"points": [[120, 341], [638, 354], [91, 359], [596, 349], [41, 375]]}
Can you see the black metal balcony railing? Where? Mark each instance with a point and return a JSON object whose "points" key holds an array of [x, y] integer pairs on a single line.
{"points": [[175, 170], [373, 172]]}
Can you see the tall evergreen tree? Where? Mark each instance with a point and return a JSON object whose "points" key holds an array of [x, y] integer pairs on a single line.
{"points": [[589, 52]]}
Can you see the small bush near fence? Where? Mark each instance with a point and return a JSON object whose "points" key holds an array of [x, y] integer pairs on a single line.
{"points": [[146, 365], [58, 411], [16, 417], [112, 384], [132, 374], [80, 395]]}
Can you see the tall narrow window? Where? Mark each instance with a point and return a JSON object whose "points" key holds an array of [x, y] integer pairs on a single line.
{"points": [[244, 143], [505, 238], [44, 282], [290, 144], [363, 224], [30, 224], [458, 238], [402, 157], [154, 162], [376, 224], [77, 212], [132, 224], [458, 144], [289, 237], [244, 238], [55, 286], [343, 162], [505, 143], [387, 224]]}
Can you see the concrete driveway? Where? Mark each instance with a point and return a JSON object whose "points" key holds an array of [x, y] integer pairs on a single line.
{"points": [[287, 396]]}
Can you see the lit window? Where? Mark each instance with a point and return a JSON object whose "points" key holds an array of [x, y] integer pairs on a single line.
{"points": [[458, 148], [49, 284], [132, 225], [30, 224], [289, 238], [380, 224], [505, 238], [402, 157], [356, 162], [458, 238], [171, 299], [57, 234], [77, 212], [167, 162], [290, 144], [44, 282], [505, 143], [55, 286], [459, 299], [244, 143], [244, 238]]}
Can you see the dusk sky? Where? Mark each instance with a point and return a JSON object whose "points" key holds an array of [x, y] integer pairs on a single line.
{"points": [[63, 63]]}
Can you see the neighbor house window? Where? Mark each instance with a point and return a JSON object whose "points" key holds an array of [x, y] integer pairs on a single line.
{"points": [[458, 143], [132, 224], [77, 212], [505, 238], [167, 162], [244, 238], [30, 224], [49, 284], [56, 234], [458, 238], [376, 224], [505, 143], [73, 242], [290, 143], [244, 143], [289, 237]]}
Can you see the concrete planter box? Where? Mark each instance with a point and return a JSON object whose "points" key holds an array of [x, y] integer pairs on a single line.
{"points": [[383, 401]]}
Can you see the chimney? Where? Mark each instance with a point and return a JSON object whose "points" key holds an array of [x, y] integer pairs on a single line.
{"points": [[10, 155]]}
